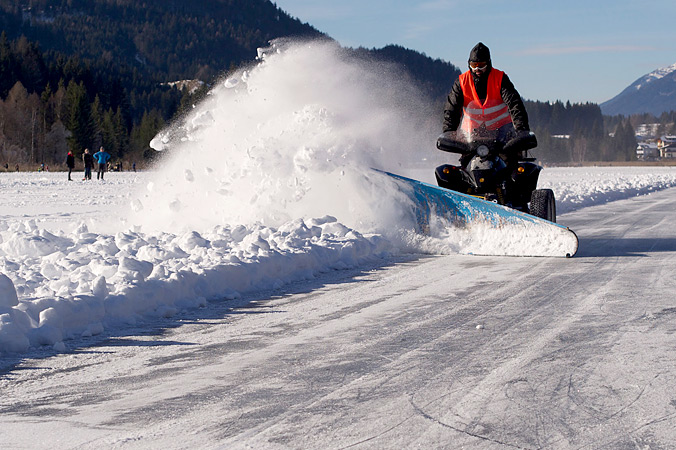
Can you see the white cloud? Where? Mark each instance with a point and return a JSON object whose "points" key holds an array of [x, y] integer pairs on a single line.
{"points": [[578, 49], [414, 31], [444, 5], [438, 5]]}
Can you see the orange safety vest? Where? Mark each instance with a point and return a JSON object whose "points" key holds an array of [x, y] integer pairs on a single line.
{"points": [[493, 113]]}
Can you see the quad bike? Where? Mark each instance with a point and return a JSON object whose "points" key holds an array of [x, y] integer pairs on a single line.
{"points": [[496, 171]]}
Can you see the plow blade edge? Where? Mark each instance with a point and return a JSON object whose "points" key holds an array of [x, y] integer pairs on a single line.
{"points": [[495, 229]]}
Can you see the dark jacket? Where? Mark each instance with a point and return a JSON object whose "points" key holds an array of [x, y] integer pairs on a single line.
{"points": [[88, 160], [456, 98], [70, 161]]}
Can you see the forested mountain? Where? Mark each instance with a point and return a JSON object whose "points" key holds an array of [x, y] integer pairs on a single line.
{"points": [[85, 73], [168, 39], [434, 76]]}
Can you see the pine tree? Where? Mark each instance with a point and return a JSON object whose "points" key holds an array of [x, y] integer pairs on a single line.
{"points": [[7, 72], [121, 133], [79, 120], [108, 136], [151, 124], [97, 120], [630, 143], [625, 142]]}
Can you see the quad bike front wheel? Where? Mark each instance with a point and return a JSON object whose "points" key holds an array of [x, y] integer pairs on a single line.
{"points": [[543, 204]]}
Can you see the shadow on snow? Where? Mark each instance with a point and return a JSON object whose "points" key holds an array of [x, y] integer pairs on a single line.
{"points": [[151, 332], [596, 247]]}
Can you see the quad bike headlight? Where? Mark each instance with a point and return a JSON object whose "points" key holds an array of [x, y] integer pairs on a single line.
{"points": [[482, 151]]}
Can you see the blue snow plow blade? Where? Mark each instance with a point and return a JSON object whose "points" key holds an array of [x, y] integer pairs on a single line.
{"points": [[505, 231]]}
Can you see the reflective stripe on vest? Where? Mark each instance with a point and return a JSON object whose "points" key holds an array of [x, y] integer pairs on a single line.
{"points": [[493, 113]]}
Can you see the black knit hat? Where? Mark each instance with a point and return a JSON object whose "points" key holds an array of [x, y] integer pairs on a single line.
{"points": [[480, 53]]}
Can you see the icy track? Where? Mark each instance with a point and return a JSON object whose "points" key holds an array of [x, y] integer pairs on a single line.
{"points": [[267, 182]]}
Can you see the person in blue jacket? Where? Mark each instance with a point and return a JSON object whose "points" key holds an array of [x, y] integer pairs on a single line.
{"points": [[102, 157]]}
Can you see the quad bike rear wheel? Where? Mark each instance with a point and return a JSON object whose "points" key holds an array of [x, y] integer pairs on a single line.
{"points": [[543, 204]]}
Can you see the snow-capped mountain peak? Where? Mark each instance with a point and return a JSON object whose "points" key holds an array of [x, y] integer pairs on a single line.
{"points": [[653, 93], [654, 75]]}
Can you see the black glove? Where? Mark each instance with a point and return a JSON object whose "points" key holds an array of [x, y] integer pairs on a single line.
{"points": [[449, 141], [522, 141]]}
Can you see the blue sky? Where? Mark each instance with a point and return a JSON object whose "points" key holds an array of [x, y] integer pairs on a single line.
{"points": [[582, 51]]}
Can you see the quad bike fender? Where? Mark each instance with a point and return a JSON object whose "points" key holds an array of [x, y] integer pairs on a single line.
{"points": [[454, 178], [526, 173]]}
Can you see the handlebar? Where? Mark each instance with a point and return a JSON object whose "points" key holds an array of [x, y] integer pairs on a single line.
{"points": [[523, 141]]}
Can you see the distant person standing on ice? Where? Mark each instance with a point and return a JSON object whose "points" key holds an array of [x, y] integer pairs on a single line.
{"points": [[70, 162], [88, 161], [484, 98], [102, 157]]}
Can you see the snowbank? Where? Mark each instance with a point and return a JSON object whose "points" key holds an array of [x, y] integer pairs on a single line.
{"points": [[67, 285], [580, 187]]}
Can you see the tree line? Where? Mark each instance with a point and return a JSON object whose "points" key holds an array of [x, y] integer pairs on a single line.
{"points": [[666, 122], [580, 133], [50, 108]]}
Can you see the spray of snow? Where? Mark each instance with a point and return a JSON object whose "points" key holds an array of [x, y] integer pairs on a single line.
{"points": [[294, 136]]}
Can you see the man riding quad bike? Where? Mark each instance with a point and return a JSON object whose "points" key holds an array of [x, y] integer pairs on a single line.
{"points": [[485, 121]]}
